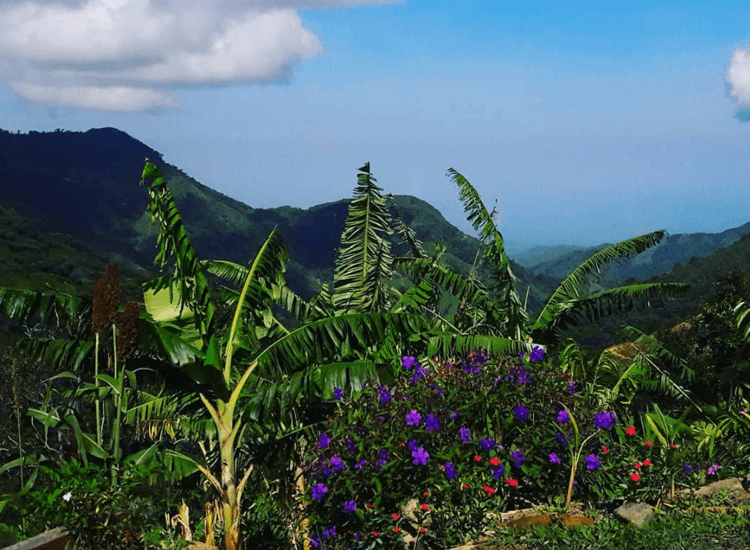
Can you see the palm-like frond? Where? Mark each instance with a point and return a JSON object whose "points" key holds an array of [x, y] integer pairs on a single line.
{"points": [[504, 280], [173, 241], [51, 307], [407, 233], [363, 250], [574, 284], [607, 302], [453, 345], [334, 338], [742, 320]]}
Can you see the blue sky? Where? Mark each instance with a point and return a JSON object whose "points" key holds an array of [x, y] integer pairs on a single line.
{"points": [[587, 123]]}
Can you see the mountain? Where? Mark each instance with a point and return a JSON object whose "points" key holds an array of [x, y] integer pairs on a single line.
{"points": [[558, 262], [82, 187]]}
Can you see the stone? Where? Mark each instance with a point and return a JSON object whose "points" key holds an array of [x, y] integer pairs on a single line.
{"points": [[732, 486], [637, 513]]}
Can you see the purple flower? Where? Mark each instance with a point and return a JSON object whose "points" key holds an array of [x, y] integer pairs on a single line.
{"points": [[521, 412], [571, 387], [379, 464], [537, 354], [563, 417], [329, 532], [318, 491], [325, 472], [350, 506], [418, 374], [408, 362], [487, 444], [350, 446], [592, 462], [465, 435], [498, 472], [324, 441], [384, 394], [605, 420], [336, 464], [520, 356], [413, 444], [518, 457], [337, 393], [413, 418], [687, 468], [432, 423], [450, 471], [554, 459], [420, 456], [454, 415], [517, 375], [439, 392], [384, 454], [562, 440], [360, 464], [713, 469]]}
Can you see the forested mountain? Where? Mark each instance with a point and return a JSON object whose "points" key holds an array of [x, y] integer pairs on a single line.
{"points": [[85, 185], [557, 262]]}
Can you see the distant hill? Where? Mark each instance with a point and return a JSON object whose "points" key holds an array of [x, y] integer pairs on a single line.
{"points": [[654, 262], [84, 185]]}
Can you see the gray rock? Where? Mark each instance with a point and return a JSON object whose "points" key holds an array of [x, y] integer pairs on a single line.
{"points": [[636, 513]]}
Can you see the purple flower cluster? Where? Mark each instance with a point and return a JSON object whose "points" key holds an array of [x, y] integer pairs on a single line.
{"points": [[518, 458], [324, 441], [408, 362], [420, 456], [487, 444], [517, 375], [554, 459], [563, 417], [413, 418], [337, 393], [432, 423], [537, 354], [521, 413], [450, 470], [318, 491], [465, 435], [605, 420], [384, 394], [350, 507], [592, 462]]}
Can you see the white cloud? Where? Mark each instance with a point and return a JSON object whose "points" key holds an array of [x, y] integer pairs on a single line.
{"points": [[739, 76], [129, 55]]}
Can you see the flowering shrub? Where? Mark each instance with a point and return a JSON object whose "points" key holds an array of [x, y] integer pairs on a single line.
{"points": [[463, 439]]}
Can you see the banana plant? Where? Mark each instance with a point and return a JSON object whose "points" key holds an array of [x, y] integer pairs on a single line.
{"points": [[569, 303]]}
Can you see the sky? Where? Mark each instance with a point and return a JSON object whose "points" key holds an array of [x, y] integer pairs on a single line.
{"points": [[582, 123]]}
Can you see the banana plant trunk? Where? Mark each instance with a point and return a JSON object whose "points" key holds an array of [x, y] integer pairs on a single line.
{"points": [[227, 431]]}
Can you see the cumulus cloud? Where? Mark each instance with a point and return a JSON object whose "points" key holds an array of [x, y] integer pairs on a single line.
{"points": [[738, 76], [131, 55]]}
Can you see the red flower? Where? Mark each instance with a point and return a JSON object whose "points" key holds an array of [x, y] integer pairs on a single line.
{"points": [[637, 465], [495, 461], [396, 529], [422, 530], [647, 462], [648, 443], [605, 450], [672, 446], [635, 477], [375, 533], [369, 505], [490, 491], [477, 458], [427, 493], [464, 486], [395, 516], [425, 507], [511, 482], [630, 430]]}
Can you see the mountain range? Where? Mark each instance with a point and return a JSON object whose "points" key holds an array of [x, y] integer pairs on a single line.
{"points": [[70, 202]]}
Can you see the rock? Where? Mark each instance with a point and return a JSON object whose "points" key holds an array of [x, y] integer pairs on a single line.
{"points": [[733, 487], [636, 513]]}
